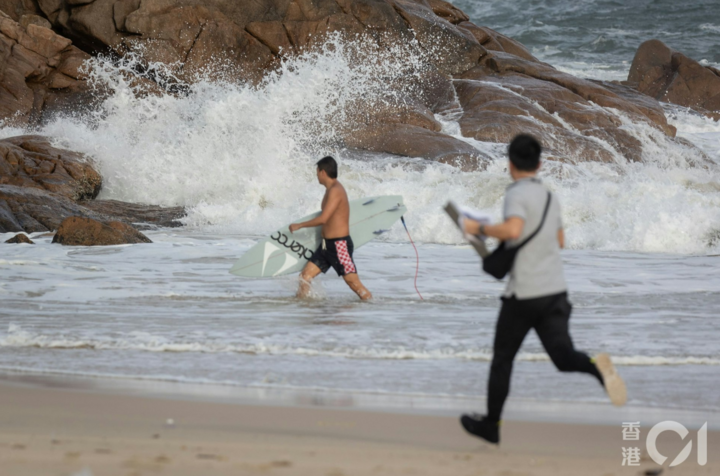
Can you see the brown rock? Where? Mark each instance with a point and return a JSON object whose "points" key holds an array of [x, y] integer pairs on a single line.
{"points": [[670, 76], [498, 106], [80, 231], [447, 11], [15, 9], [504, 63], [140, 216], [20, 238], [30, 161], [451, 51], [31, 84], [30, 19], [494, 41], [413, 141], [34, 209]]}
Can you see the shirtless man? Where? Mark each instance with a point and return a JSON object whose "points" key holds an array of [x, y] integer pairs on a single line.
{"points": [[336, 249]]}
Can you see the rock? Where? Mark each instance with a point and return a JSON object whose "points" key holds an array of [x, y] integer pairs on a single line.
{"points": [[20, 238], [140, 216], [15, 9], [34, 209], [81, 231], [493, 41], [31, 209], [39, 72], [499, 105], [413, 141], [451, 51], [30, 161], [672, 77], [505, 64]]}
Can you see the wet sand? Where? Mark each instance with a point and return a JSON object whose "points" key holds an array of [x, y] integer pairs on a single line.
{"points": [[76, 432]]}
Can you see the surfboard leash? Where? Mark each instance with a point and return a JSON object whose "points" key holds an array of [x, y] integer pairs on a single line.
{"points": [[417, 257]]}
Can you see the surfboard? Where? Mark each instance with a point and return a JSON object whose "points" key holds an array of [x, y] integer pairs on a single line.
{"points": [[478, 245], [285, 253]]}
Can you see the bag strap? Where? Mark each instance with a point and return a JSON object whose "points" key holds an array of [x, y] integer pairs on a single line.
{"points": [[542, 222]]}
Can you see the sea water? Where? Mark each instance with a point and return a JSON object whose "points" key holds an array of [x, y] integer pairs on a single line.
{"points": [[642, 238]]}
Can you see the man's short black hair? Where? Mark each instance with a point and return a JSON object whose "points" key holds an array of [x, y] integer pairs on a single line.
{"points": [[524, 152], [329, 165]]}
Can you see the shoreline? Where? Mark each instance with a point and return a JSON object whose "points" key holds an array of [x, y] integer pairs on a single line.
{"points": [[517, 409], [55, 426]]}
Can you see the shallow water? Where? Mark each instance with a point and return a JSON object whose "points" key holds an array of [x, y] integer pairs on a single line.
{"points": [[642, 236], [171, 311]]}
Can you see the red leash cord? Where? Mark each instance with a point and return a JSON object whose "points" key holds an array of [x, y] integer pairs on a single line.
{"points": [[417, 257]]}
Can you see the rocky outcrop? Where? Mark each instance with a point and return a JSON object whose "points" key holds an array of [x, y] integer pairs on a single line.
{"points": [[31, 210], [16, 9], [80, 231], [139, 215], [493, 85], [39, 71], [20, 238], [30, 161], [41, 185], [670, 76]]}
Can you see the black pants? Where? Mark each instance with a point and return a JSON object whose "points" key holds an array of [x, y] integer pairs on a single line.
{"points": [[549, 316]]}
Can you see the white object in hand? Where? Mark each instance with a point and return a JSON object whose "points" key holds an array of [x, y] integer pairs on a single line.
{"points": [[475, 215]]}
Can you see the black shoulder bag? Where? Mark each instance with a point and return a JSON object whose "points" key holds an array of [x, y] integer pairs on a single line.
{"points": [[500, 262]]}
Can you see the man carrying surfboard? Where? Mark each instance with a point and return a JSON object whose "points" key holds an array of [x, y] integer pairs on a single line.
{"points": [[536, 294], [336, 248]]}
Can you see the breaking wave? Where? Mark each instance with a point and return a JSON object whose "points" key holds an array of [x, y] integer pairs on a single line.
{"points": [[144, 342], [241, 157]]}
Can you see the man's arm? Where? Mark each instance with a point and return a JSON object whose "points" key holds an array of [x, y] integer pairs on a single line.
{"points": [[561, 238], [510, 229], [332, 204]]}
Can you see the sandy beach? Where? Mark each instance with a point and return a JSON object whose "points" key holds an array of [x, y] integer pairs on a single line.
{"points": [[76, 432]]}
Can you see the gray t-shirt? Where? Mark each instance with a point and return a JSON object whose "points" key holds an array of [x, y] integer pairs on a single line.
{"points": [[538, 268]]}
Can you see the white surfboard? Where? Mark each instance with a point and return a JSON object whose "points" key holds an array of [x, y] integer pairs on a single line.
{"points": [[284, 252]]}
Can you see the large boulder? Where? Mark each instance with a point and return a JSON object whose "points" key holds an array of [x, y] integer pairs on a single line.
{"points": [[247, 37], [672, 77], [80, 231], [498, 87], [16, 9], [32, 209], [40, 71], [30, 161]]}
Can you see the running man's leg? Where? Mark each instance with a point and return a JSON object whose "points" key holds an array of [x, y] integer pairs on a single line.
{"points": [[310, 271], [512, 326], [353, 281], [553, 330]]}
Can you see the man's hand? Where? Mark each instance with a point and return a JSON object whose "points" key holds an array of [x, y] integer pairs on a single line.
{"points": [[295, 227]]}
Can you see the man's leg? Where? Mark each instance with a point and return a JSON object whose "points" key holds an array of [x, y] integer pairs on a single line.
{"points": [[353, 281], [514, 322], [308, 274], [553, 330], [512, 326]]}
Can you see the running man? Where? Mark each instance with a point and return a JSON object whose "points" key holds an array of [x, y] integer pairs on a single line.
{"points": [[536, 294], [336, 249]]}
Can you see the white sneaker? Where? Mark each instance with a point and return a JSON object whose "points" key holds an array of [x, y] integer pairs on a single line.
{"points": [[614, 385]]}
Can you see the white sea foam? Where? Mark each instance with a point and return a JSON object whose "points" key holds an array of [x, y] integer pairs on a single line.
{"points": [[146, 342]]}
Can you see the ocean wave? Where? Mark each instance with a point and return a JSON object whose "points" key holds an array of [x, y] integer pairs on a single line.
{"points": [[240, 159], [143, 342]]}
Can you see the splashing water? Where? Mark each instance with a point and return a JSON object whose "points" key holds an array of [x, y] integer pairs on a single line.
{"points": [[241, 157]]}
